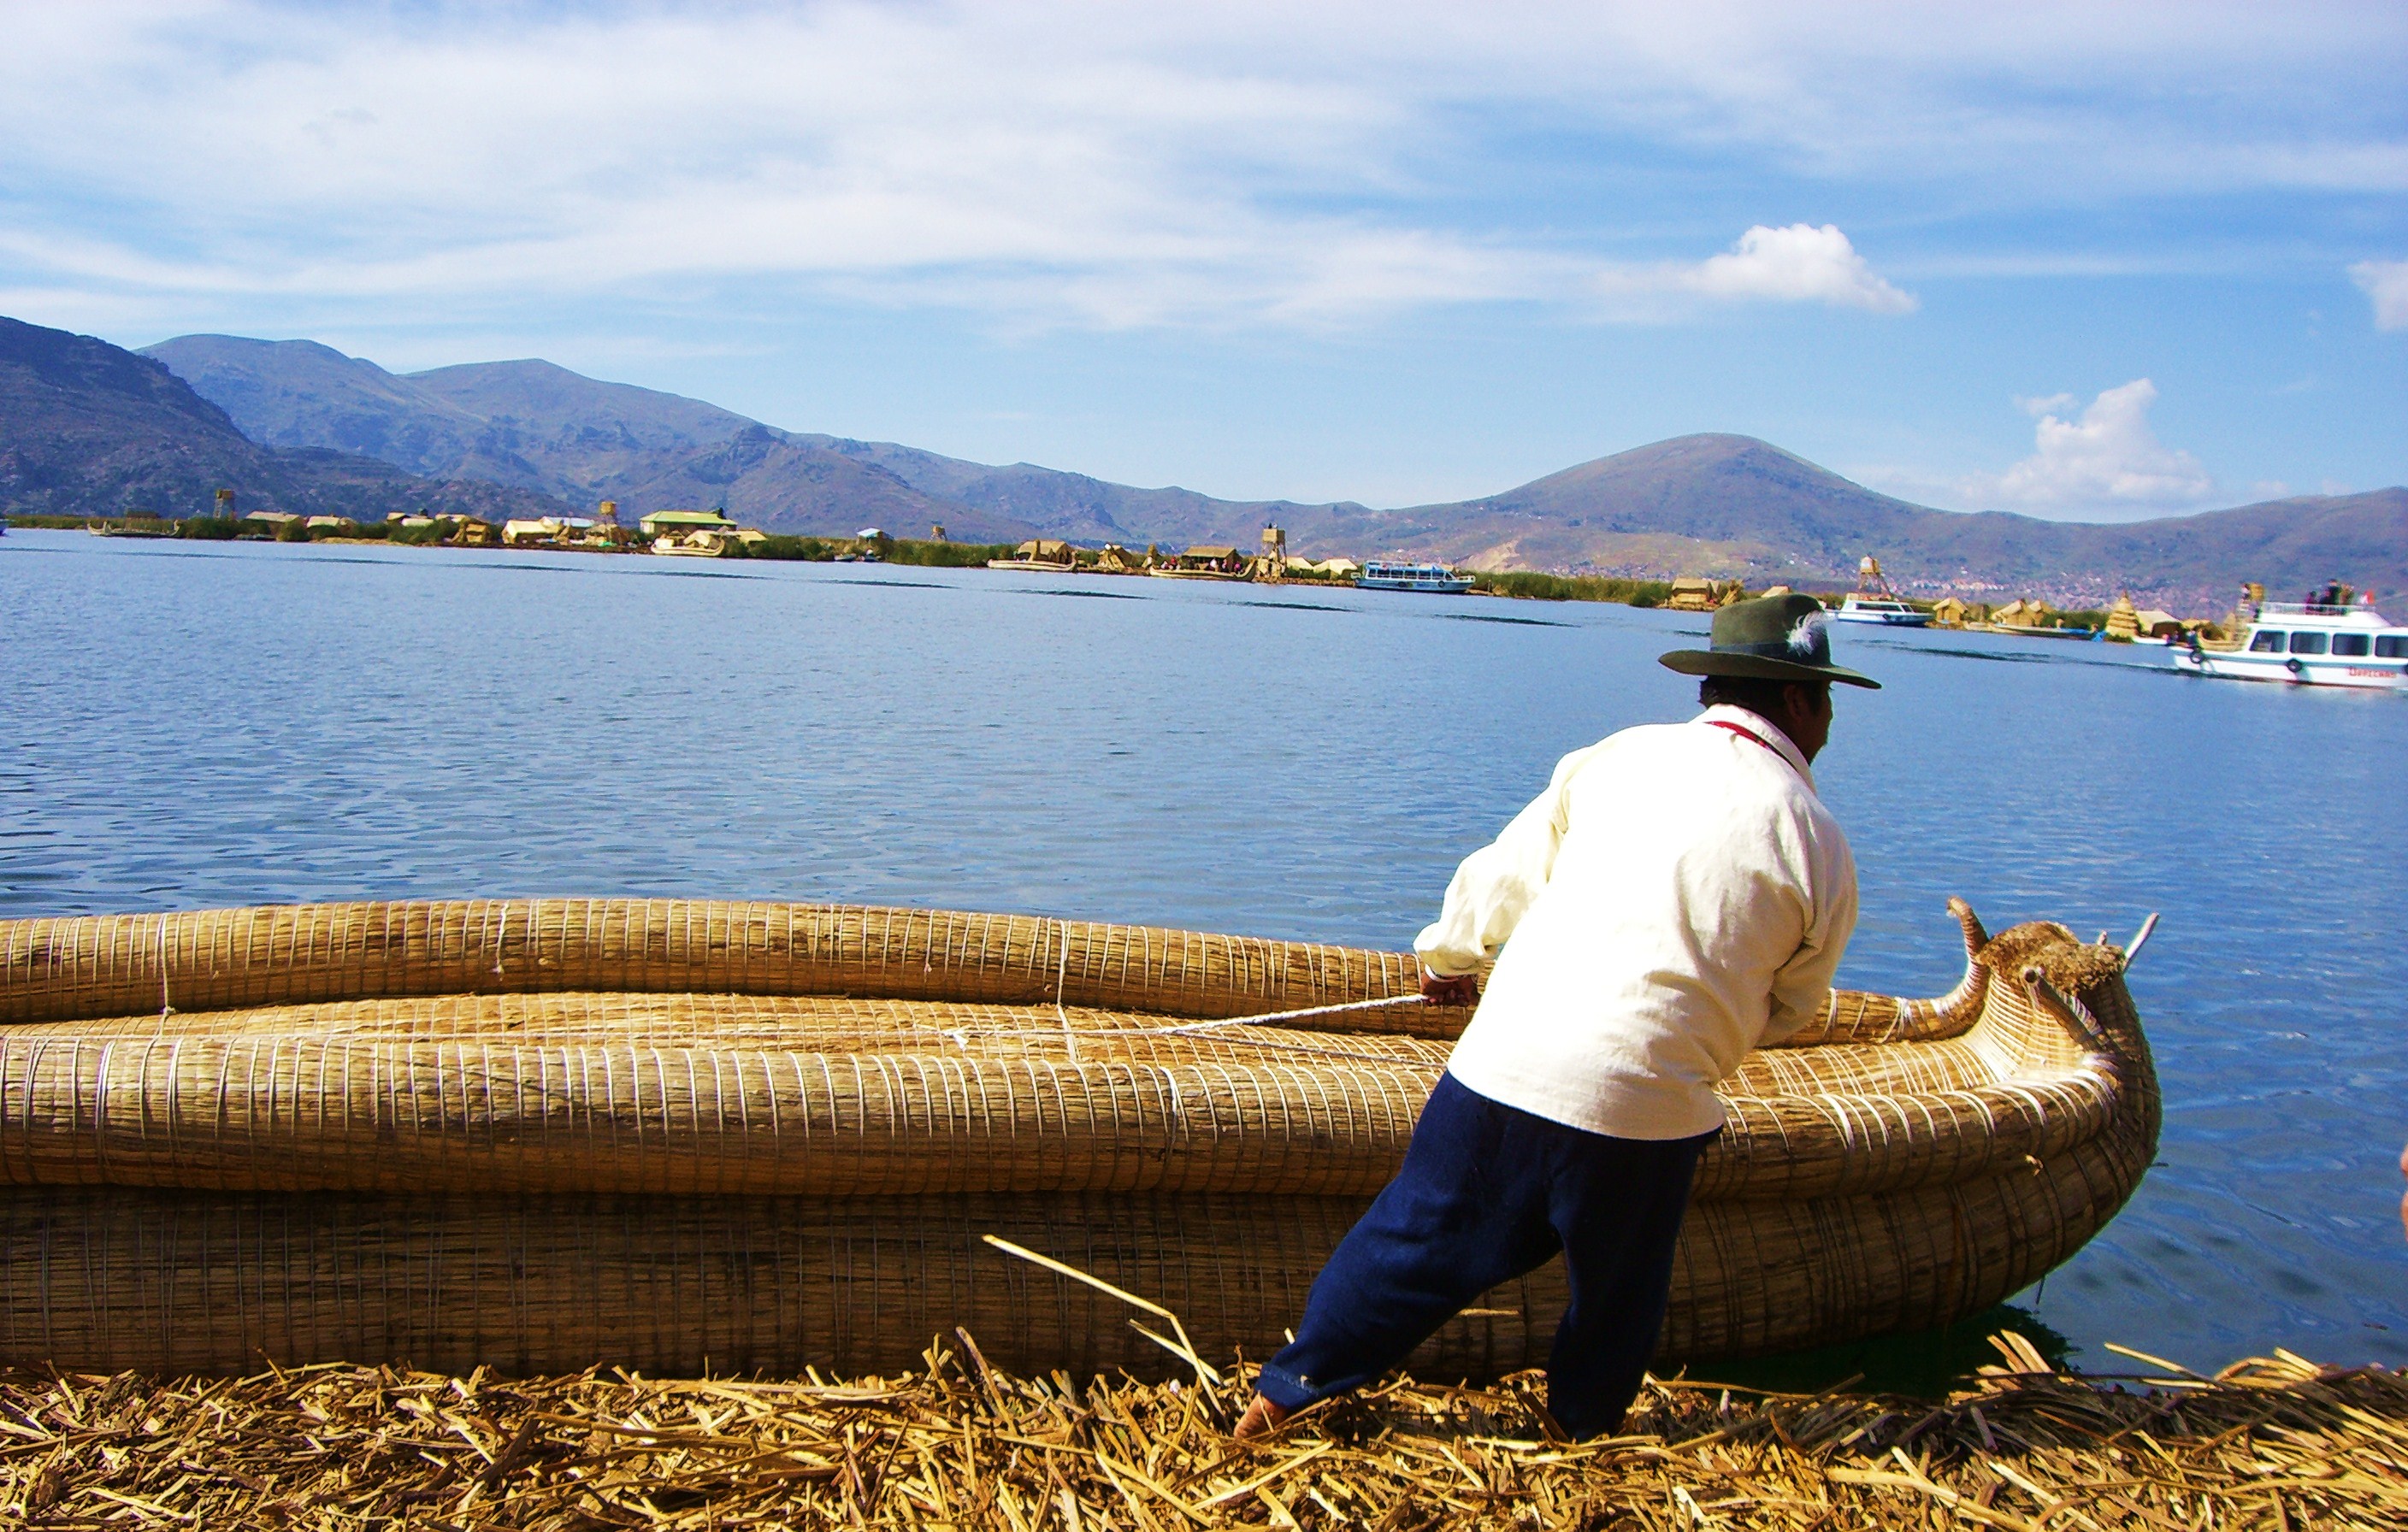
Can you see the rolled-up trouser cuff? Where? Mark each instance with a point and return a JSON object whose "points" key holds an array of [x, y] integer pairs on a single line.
{"points": [[1285, 1389]]}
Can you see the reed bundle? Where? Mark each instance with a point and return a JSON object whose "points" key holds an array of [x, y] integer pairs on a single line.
{"points": [[673, 1135], [769, 1095], [2270, 1443]]}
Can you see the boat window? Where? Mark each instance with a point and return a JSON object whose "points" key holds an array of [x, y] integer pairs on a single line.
{"points": [[2392, 646], [2266, 643], [2349, 643], [2307, 643]]}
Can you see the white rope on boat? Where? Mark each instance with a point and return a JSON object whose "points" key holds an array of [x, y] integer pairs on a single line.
{"points": [[1061, 978], [961, 1035], [1270, 1016]]}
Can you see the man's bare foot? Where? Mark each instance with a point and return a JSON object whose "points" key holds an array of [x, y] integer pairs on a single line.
{"points": [[1261, 1419]]}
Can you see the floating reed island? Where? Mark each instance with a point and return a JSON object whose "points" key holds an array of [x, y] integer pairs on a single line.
{"points": [[684, 1138], [2273, 1443]]}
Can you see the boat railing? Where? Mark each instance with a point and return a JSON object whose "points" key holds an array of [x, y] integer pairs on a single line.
{"points": [[2314, 609]]}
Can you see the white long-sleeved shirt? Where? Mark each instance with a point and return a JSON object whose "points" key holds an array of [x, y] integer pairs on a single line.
{"points": [[1677, 896]]}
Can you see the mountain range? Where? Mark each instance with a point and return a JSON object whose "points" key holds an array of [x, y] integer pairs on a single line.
{"points": [[88, 429], [87, 426], [1712, 503]]}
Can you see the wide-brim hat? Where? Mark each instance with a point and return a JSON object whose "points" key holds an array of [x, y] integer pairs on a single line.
{"points": [[1772, 638]]}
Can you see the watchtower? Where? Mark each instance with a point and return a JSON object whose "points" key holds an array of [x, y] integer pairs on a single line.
{"points": [[1274, 563]]}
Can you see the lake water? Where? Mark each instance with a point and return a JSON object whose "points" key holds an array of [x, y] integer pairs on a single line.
{"points": [[202, 725]]}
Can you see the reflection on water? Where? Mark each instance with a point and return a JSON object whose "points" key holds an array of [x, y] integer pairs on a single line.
{"points": [[1929, 1364], [195, 725]]}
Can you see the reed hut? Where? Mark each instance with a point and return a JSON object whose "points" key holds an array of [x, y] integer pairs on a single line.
{"points": [[1206, 561], [2122, 620], [1691, 593], [680, 522], [2024, 614]]}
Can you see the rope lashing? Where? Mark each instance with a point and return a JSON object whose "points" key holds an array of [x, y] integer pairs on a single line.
{"points": [[961, 1035]]}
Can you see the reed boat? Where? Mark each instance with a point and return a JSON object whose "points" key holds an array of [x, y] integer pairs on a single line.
{"points": [[683, 1136]]}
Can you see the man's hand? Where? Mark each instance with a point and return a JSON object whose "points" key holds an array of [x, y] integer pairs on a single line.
{"points": [[1462, 991], [1262, 1418]]}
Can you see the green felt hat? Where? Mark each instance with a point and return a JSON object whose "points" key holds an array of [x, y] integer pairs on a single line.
{"points": [[1772, 638]]}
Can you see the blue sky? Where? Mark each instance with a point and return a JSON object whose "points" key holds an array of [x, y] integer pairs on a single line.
{"points": [[2079, 261]]}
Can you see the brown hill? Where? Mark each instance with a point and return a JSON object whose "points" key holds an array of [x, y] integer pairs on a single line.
{"points": [[87, 429], [1733, 506], [772, 481]]}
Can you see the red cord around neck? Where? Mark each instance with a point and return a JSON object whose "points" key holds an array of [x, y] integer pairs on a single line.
{"points": [[1751, 733]]}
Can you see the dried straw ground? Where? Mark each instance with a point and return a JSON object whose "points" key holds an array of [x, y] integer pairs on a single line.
{"points": [[2274, 1444]]}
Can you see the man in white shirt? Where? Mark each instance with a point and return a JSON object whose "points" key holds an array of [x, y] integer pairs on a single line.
{"points": [[1677, 896]]}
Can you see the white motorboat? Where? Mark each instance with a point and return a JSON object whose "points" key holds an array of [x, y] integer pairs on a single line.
{"points": [[1872, 601], [2337, 643], [1888, 612]]}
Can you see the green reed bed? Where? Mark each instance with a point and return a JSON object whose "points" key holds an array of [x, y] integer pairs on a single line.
{"points": [[1529, 585]]}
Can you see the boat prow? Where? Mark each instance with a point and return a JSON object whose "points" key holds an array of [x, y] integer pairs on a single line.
{"points": [[669, 1134]]}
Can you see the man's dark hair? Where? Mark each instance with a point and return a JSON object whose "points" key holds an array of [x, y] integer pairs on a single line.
{"points": [[1755, 694]]}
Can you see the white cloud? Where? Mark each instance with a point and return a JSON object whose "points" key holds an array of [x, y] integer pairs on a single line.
{"points": [[1800, 263], [2107, 465], [2386, 283], [1105, 164]]}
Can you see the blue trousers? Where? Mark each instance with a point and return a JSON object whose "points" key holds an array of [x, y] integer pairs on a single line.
{"points": [[1489, 1192]]}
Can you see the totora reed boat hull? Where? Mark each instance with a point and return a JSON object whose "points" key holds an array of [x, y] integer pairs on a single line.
{"points": [[681, 1136]]}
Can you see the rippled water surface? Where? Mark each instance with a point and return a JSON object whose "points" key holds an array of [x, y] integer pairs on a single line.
{"points": [[191, 726]]}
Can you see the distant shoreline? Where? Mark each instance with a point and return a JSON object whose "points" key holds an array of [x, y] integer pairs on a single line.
{"points": [[1515, 584]]}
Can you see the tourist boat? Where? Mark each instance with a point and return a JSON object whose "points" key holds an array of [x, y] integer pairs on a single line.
{"points": [[1389, 575], [675, 1136], [1873, 601], [2337, 643], [1884, 610]]}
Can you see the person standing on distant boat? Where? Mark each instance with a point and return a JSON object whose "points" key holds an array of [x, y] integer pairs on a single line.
{"points": [[1677, 896]]}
